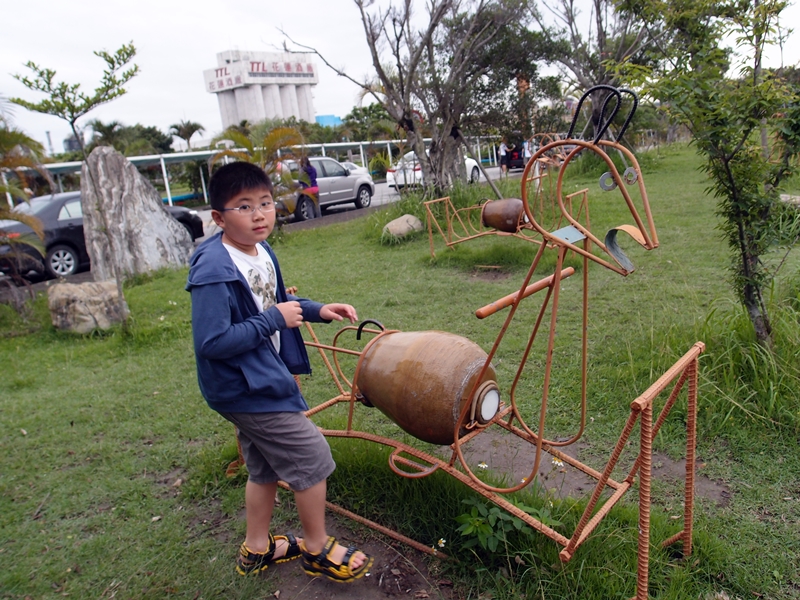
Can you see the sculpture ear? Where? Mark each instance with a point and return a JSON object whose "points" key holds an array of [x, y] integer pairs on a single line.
{"points": [[616, 252]]}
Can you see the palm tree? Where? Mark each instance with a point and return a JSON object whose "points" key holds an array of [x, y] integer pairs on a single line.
{"points": [[257, 149], [266, 148], [185, 130], [19, 154], [108, 134]]}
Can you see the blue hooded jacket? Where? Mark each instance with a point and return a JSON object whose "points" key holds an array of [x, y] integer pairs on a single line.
{"points": [[238, 368]]}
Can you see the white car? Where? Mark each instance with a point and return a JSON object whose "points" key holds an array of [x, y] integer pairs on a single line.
{"points": [[408, 171], [355, 169]]}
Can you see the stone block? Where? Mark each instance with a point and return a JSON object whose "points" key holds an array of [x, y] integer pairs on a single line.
{"points": [[84, 307], [402, 226]]}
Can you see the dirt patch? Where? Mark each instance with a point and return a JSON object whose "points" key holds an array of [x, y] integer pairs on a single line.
{"points": [[510, 457], [397, 572], [489, 273]]}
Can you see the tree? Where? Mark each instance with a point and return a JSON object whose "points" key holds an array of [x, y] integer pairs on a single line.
{"points": [[136, 140], [185, 130], [368, 123], [616, 33], [108, 134], [68, 102], [265, 148], [726, 112], [141, 140], [426, 80], [19, 155]]}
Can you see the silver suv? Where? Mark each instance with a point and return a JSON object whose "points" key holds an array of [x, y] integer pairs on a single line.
{"points": [[337, 185]]}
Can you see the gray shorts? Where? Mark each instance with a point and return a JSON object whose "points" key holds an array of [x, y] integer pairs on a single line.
{"points": [[283, 446]]}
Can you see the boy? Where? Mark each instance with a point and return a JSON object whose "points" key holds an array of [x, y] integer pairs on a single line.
{"points": [[247, 348]]}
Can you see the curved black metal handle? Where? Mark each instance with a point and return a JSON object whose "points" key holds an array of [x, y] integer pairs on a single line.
{"points": [[363, 323], [605, 123], [631, 112], [586, 94]]}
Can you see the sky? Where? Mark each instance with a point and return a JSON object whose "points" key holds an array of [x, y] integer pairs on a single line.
{"points": [[176, 40]]}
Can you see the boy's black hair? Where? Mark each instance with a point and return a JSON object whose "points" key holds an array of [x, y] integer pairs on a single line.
{"points": [[232, 179]]}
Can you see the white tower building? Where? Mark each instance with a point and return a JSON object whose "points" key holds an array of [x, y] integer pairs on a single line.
{"points": [[262, 85]]}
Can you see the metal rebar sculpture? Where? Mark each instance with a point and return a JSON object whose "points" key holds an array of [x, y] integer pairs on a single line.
{"points": [[443, 389]]}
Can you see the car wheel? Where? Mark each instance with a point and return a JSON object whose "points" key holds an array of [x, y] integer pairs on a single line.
{"points": [[305, 209], [475, 176], [61, 261], [364, 198]]}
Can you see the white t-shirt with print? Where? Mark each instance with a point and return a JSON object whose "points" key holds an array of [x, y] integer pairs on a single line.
{"points": [[259, 272]]}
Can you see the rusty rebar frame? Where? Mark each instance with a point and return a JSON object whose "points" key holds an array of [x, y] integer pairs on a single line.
{"points": [[410, 462], [460, 224]]}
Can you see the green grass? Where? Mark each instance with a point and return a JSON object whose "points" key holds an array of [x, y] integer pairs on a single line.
{"points": [[97, 430]]}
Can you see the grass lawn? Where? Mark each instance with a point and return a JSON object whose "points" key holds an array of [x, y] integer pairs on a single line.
{"points": [[112, 477]]}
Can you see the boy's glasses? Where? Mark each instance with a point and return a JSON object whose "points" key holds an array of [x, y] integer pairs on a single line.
{"points": [[249, 209]]}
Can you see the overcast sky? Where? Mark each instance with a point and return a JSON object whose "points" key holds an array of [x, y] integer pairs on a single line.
{"points": [[176, 40]]}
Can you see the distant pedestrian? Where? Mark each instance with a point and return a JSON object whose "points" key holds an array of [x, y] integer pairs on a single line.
{"points": [[504, 151], [308, 181]]}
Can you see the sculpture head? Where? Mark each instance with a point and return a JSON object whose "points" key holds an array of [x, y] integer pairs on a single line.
{"points": [[642, 231]]}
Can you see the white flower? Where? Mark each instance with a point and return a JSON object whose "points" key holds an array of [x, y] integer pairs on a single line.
{"points": [[483, 465], [161, 318], [524, 479], [557, 462], [441, 542]]}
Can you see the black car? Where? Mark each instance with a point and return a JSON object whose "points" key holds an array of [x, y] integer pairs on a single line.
{"points": [[65, 247], [516, 156]]}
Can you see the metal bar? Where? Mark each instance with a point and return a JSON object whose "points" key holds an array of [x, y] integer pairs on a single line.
{"points": [[166, 179], [645, 473], [508, 300], [203, 183], [691, 458]]}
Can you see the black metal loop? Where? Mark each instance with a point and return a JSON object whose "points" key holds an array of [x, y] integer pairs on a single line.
{"points": [[604, 124], [631, 112], [361, 326], [605, 121], [586, 94]]}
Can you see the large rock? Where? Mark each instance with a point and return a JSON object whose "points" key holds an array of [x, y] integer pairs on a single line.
{"points": [[84, 307], [144, 237], [402, 226]]}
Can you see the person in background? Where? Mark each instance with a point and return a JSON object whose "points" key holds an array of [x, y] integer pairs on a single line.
{"points": [[504, 150], [308, 182]]}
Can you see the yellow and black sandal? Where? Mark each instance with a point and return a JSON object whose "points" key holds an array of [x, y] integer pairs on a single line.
{"points": [[321, 564], [255, 562]]}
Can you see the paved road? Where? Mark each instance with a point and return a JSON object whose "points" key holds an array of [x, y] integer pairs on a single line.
{"points": [[384, 195]]}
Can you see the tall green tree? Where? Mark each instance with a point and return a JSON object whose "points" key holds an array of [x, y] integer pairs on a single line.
{"points": [[726, 100], [67, 101], [369, 123], [427, 70], [593, 44], [185, 130]]}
